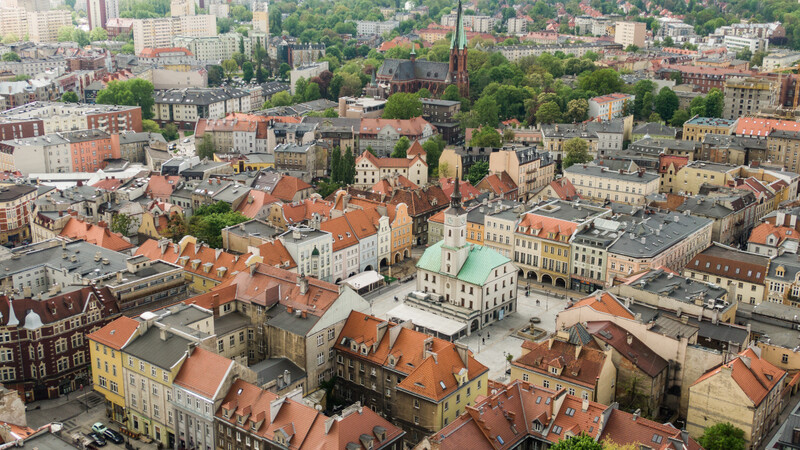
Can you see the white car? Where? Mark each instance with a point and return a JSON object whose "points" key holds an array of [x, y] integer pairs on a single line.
{"points": [[186, 141]]}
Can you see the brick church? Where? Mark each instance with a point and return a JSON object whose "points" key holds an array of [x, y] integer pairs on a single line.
{"points": [[411, 75]]}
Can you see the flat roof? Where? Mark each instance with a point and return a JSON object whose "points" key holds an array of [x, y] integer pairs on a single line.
{"points": [[426, 319]]}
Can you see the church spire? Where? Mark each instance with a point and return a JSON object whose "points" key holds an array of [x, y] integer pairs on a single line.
{"points": [[455, 197], [459, 39]]}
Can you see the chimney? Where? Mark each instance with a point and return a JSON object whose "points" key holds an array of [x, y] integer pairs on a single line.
{"points": [[585, 405], [629, 339], [214, 300], [287, 377], [119, 277], [302, 281], [162, 334]]}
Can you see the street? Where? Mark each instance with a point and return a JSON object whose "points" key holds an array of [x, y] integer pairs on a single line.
{"points": [[491, 345]]}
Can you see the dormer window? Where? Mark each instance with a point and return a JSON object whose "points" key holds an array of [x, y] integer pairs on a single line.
{"points": [[554, 370]]}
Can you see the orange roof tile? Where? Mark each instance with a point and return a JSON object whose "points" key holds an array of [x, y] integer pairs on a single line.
{"points": [[564, 189], [275, 254], [117, 333], [348, 428], [288, 187], [360, 223], [304, 210], [416, 149], [755, 376], [607, 303], [255, 201], [195, 258], [386, 187], [343, 235], [109, 184], [762, 231], [467, 190], [427, 376], [757, 127], [94, 234], [533, 224], [500, 184], [405, 127], [437, 218], [204, 373], [213, 299], [160, 187], [389, 163], [583, 369]]}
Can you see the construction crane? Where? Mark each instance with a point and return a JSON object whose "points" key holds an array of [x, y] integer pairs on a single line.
{"points": [[780, 72]]}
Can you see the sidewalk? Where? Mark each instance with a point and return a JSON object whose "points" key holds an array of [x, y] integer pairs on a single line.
{"points": [[60, 409], [791, 405]]}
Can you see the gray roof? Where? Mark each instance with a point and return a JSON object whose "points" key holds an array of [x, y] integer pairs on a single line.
{"points": [[47, 254], [269, 369], [151, 348], [679, 288], [655, 129], [230, 322], [670, 325], [198, 96], [130, 138], [790, 263], [290, 322], [254, 228], [84, 135], [183, 315], [655, 233], [663, 323], [15, 191], [438, 102], [406, 69], [733, 142], [605, 172], [657, 145], [717, 207], [293, 148], [569, 211]]}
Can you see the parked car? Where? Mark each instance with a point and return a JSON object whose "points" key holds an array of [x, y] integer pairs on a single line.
{"points": [[113, 436], [186, 141], [97, 439], [99, 428]]}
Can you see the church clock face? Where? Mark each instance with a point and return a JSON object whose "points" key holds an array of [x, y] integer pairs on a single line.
{"points": [[450, 220]]}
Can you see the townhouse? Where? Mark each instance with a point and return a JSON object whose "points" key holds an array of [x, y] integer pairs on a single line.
{"points": [[419, 382], [602, 183], [382, 134], [742, 273], [105, 347], [530, 169], [371, 170], [345, 248]]}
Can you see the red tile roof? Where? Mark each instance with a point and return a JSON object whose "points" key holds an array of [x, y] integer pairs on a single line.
{"points": [[213, 299], [116, 333], [204, 373], [198, 259], [275, 254], [540, 226], [299, 211], [728, 262], [580, 366], [762, 231], [95, 234], [468, 191], [255, 201], [288, 187], [343, 235], [389, 163], [519, 411], [59, 307], [757, 127], [416, 149], [150, 52], [755, 376], [500, 184], [610, 97], [386, 187], [607, 303], [160, 187], [636, 351], [665, 161], [564, 189], [433, 378], [109, 184]]}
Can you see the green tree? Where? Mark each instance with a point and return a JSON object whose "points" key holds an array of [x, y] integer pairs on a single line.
{"points": [[65, 33], [170, 132], [284, 70], [336, 165], [679, 117], [640, 90], [758, 58], [602, 82], [722, 436], [247, 71], [11, 56], [206, 148], [577, 110], [697, 107], [632, 48], [715, 100], [576, 151], [238, 57], [150, 126], [451, 93], [477, 171], [348, 167], [312, 92], [98, 34], [666, 103], [655, 117], [402, 105], [216, 74], [10, 38], [230, 67], [326, 188], [121, 223], [549, 112], [744, 54], [487, 111], [282, 98], [70, 97], [142, 91], [208, 221], [486, 136], [581, 442], [127, 49], [401, 147], [433, 151]]}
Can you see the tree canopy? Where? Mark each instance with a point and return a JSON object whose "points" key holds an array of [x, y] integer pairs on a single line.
{"points": [[722, 436], [402, 105]]}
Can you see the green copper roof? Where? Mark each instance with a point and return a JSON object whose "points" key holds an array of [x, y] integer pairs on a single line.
{"points": [[459, 40], [480, 262]]}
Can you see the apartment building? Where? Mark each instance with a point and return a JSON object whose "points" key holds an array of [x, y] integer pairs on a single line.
{"points": [[260, 17], [601, 183], [158, 33], [186, 106], [477, 24], [89, 149], [16, 209], [106, 360], [776, 60], [611, 106], [438, 381], [99, 12], [689, 179], [383, 134], [630, 33], [748, 96], [38, 118], [43, 26], [739, 43], [751, 400], [218, 47], [742, 273], [371, 169], [370, 27], [697, 127], [530, 169], [783, 148], [44, 154]]}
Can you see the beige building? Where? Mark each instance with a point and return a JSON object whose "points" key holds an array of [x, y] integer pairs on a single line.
{"points": [[697, 127], [742, 273], [583, 370], [261, 17], [15, 21], [747, 96], [691, 177], [43, 26], [601, 183], [630, 33], [783, 147], [745, 392], [179, 8], [158, 33], [371, 169], [531, 170]]}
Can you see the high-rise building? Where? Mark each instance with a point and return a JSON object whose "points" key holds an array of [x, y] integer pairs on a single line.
{"points": [[158, 33], [100, 11], [15, 21], [261, 17], [746, 96], [179, 8], [630, 33], [43, 26]]}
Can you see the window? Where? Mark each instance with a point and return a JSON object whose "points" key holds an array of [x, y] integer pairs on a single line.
{"points": [[546, 384], [320, 339], [524, 377], [416, 406], [320, 359], [785, 358]]}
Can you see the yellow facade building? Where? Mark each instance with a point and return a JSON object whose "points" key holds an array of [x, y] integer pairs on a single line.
{"points": [[105, 347]]}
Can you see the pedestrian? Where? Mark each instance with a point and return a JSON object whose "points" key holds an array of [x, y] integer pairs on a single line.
{"points": [[488, 335], [483, 340]]}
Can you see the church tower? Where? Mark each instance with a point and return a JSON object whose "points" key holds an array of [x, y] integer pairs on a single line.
{"points": [[454, 249], [458, 56]]}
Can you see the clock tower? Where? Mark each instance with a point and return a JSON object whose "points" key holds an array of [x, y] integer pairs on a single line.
{"points": [[454, 249]]}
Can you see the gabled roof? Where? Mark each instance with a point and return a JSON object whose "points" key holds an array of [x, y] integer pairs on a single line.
{"points": [[580, 366], [433, 377], [755, 376], [564, 189], [476, 269], [360, 223], [116, 333], [386, 187], [637, 352], [467, 190], [405, 127], [500, 184], [390, 163], [94, 234], [546, 227], [728, 262], [761, 232], [255, 201], [416, 149], [275, 254], [607, 303], [343, 235], [161, 186], [304, 210], [204, 373], [198, 259]]}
